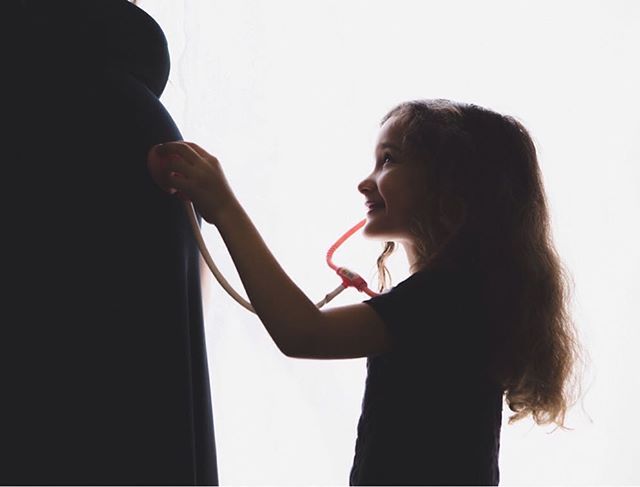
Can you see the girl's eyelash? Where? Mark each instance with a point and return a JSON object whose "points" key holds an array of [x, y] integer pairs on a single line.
{"points": [[384, 159]]}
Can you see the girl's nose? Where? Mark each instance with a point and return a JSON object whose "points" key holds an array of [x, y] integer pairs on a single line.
{"points": [[365, 186]]}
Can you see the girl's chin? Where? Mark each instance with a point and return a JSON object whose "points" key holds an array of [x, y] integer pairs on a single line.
{"points": [[381, 230], [373, 230]]}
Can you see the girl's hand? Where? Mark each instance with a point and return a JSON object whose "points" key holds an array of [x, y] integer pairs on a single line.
{"points": [[187, 170]]}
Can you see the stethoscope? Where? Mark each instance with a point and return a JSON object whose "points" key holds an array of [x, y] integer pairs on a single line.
{"points": [[349, 278]]}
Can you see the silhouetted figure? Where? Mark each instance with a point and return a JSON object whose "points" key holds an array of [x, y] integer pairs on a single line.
{"points": [[482, 317], [104, 367]]}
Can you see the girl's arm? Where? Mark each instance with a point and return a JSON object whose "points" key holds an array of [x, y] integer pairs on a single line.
{"points": [[298, 328]]}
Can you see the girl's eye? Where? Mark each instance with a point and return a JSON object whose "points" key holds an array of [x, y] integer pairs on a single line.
{"points": [[386, 158]]}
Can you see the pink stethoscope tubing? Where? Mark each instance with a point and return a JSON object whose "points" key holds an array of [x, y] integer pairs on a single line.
{"points": [[349, 278]]}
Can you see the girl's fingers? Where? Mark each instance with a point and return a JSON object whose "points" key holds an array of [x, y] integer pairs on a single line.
{"points": [[178, 185], [182, 196], [180, 148], [175, 157], [178, 181], [202, 153], [199, 150], [175, 167], [177, 164]]}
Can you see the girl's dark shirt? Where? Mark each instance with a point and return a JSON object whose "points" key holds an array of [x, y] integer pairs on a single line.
{"points": [[430, 414]]}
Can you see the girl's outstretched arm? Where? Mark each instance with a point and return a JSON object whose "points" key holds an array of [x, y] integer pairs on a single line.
{"points": [[297, 327]]}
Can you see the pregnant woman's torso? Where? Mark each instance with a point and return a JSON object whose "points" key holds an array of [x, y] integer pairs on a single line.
{"points": [[106, 326]]}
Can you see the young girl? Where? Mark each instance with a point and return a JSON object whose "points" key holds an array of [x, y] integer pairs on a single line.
{"points": [[482, 315]]}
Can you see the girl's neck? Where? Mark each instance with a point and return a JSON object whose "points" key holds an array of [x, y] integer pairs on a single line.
{"points": [[413, 258]]}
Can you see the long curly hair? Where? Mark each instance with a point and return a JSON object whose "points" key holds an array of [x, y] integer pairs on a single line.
{"points": [[485, 210]]}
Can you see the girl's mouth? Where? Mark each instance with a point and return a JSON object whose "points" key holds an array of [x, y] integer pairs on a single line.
{"points": [[375, 208]]}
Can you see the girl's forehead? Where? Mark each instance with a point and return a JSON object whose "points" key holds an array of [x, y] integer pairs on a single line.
{"points": [[391, 133]]}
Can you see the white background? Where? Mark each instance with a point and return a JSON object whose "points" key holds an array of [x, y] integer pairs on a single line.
{"points": [[288, 95]]}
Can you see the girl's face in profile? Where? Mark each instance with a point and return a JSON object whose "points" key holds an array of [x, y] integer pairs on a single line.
{"points": [[394, 191]]}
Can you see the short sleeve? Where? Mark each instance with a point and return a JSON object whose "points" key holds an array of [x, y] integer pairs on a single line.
{"points": [[427, 307]]}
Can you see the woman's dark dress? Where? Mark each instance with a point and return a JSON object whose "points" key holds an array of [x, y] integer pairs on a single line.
{"points": [[104, 377], [431, 415]]}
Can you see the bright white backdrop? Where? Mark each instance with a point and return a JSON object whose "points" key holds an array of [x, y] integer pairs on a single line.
{"points": [[288, 95]]}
